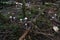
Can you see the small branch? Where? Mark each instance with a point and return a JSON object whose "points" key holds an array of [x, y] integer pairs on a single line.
{"points": [[24, 35], [44, 33], [29, 37]]}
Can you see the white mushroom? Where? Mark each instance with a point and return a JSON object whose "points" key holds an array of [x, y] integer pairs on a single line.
{"points": [[14, 17], [21, 19], [25, 24], [55, 14], [25, 18], [55, 28], [19, 3], [10, 17], [53, 17]]}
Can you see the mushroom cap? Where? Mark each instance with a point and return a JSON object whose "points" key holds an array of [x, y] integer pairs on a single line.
{"points": [[55, 28], [21, 19], [25, 18], [25, 24], [53, 17], [14, 17], [10, 16], [55, 14]]}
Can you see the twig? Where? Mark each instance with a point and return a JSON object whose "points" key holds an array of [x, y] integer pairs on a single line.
{"points": [[44, 33], [24, 35], [29, 37]]}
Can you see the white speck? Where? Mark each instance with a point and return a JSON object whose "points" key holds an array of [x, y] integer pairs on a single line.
{"points": [[25, 18], [52, 17], [14, 17], [21, 19], [16, 2], [10, 17], [55, 14], [8, 12], [55, 28], [26, 24], [19, 3]]}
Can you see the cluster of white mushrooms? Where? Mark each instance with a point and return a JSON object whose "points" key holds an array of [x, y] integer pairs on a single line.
{"points": [[55, 28], [26, 4], [53, 17], [19, 19]]}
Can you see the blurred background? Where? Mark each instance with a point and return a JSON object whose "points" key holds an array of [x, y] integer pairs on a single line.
{"points": [[29, 19]]}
